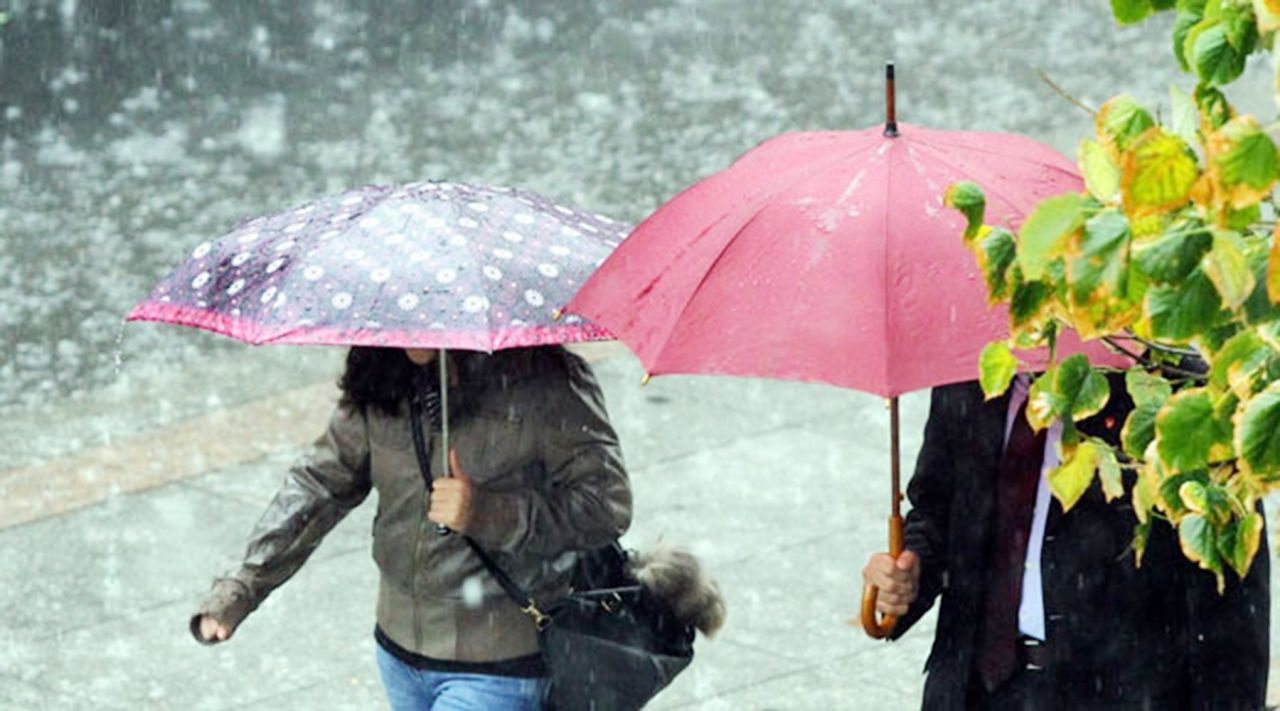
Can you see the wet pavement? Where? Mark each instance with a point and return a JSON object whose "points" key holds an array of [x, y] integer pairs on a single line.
{"points": [[134, 460]]}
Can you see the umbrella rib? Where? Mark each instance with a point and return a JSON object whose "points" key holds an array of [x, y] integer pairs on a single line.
{"points": [[702, 281], [888, 262]]}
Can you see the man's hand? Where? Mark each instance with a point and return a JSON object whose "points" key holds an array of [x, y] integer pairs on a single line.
{"points": [[897, 580], [212, 630], [451, 497]]}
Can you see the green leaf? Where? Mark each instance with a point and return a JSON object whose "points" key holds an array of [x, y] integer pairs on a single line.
{"points": [[969, 199], [1130, 11], [1228, 269], [1101, 264], [1238, 359], [996, 254], [996, 366], [1109, 471], [1172, 256], [1189, 15], [1149, 393], [1194, 497], [1179, 312], [1158, 173], [1215, 60], [1120, 121], [1258, 434], [1044, 231], [1259, 309], [1139, 430], [1189, 434], [1028, 300], [1071, 390], [1242, 220], [1240, 26], [1184, 119], [1070, 479], [1145, 388], [1213, 104], [1141, 534], [1101, 174], [1246, 159], [1199, 544], [1171, 491], [1239, 542]]}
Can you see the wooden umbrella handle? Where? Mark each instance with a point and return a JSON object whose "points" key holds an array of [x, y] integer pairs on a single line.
{"points": [[872, 624]]}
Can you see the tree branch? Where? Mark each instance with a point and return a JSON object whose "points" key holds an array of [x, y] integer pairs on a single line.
{"points": [[1063, 92]]}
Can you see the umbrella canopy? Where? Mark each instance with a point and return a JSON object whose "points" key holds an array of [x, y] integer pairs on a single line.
{"points": [[425, 265], [825, 256], [829, 256]]}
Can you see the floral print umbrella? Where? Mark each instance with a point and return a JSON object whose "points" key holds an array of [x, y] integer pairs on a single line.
{"points": [[423, 265]]}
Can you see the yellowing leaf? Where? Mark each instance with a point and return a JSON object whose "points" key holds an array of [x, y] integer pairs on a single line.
{"points": [[1228, 268], [1109, 473], [1042, 235], [969, 199], [1267, 13], [1273, 267], [1101, 174], [1241, 167], [1158, 173], [1119, 121], [997, 366], [1239, 542], [1071, 479], [1199, 544]]}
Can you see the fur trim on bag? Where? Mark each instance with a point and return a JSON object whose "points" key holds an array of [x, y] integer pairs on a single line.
{"points": [[675, 576]]}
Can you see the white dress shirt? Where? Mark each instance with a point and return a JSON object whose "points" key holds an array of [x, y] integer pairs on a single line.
{"points": [[1031, 605]]}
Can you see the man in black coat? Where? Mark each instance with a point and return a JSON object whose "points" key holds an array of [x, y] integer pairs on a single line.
{"points": [[1105, 634]]}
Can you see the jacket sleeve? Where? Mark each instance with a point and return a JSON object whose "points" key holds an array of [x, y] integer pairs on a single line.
{"points": [[1229, 636], [321, 488], [930, 492], [585, 501]]}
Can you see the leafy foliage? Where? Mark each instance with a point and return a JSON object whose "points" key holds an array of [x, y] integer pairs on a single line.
{"points": [[1166, 256]]}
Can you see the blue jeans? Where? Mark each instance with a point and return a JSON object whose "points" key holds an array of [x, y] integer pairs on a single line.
{"points": [[411, 689]]}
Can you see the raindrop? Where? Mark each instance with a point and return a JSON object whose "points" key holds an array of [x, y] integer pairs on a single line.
{"points": [[119, 354]]}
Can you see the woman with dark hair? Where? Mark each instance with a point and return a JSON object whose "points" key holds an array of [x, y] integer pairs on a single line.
{"points": [[537, 476]]}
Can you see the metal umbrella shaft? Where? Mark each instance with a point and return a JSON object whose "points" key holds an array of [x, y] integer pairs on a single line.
{"points": [[875, 627], [444, 425]]}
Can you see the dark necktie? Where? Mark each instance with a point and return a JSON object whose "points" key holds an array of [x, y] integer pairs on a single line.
{"points": [[1016, 485]]}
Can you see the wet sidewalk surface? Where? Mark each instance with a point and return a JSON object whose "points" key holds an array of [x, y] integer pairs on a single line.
{"points": [[106, 549]]}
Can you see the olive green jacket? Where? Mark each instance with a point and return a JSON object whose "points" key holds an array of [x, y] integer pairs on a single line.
{"points": [[549, 481]]}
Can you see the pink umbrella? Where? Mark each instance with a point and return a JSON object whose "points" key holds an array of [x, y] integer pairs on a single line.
{"points": [[827, 256]]}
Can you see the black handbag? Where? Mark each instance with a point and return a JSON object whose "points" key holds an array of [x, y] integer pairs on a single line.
{"points": [[608, 645]]}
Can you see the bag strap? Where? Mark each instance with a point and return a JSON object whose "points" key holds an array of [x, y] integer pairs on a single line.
{"points": [[518, 595]]}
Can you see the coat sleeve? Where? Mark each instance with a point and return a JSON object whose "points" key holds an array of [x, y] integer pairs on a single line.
{"points": [[930, 493], [1229, 636], [586, 500], [321, 488]]}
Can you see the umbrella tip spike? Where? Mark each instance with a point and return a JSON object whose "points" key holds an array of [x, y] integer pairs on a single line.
{"points": [[557, 314], [645, 380], [890, 112]]}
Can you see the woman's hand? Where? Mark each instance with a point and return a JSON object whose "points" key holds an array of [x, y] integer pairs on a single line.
{"points": [[214, 631], [451, 497]]}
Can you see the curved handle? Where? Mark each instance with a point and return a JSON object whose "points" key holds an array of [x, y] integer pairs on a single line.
{"points": [[875, 626]]}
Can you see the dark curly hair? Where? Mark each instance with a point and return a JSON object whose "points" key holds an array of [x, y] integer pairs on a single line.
{"points": [[384, 378]]}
